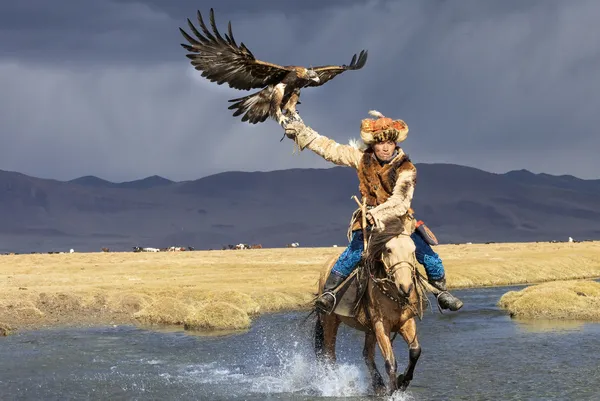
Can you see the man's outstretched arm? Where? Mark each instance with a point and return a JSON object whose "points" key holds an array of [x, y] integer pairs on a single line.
{"points": [[330, 150]]}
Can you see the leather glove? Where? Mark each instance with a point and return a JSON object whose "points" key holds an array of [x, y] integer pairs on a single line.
{"points": [[377, 224], [293, 128], [290, 131], [299, 133]]}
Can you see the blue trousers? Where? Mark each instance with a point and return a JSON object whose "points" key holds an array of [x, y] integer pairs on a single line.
{"points": [[348, 260]]}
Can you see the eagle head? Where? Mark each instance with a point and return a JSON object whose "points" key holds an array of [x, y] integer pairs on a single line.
{"points": [[312, 75]]}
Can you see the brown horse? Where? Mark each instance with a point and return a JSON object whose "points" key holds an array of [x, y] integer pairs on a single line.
{"points": [[392, 298]]}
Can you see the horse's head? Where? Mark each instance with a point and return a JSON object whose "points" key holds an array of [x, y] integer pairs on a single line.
{"points": [[394, 248]]}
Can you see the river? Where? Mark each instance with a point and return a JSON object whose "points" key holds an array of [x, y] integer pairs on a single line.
{"points": [[478, 353]]}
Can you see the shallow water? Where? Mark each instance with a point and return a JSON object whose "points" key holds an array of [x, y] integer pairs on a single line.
{"points": [[478, 353]]}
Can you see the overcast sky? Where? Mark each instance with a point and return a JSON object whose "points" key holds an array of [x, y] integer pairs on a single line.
{"points": [[98, 87]]}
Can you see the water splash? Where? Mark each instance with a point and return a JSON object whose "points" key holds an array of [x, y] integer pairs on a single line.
{"points": [[397, 396], [301, 375], [283, 365], [298, 374], [214, 373]]}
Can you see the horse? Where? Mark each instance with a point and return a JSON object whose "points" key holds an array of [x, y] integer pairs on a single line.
{"points": [[391, 300]]}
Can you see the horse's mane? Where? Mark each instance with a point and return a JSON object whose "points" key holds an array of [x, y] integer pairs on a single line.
{"points": [[378, 241]]}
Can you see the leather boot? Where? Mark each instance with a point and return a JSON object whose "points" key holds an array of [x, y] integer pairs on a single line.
{"points": [[326, 302], [445, 299]]}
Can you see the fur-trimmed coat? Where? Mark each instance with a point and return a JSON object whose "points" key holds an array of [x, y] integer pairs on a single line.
{"points": [[388, 188]]}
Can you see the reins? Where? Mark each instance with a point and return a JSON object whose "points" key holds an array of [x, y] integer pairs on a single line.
{"points": [[398, 299]]}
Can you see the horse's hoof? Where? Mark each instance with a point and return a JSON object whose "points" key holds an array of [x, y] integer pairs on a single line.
{"points": [[379, 387], [381, 391], [401, 383]]}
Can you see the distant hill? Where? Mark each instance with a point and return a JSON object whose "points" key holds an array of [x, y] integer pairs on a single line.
{"points": [[309, 206], [148, 182], [93, 181]]}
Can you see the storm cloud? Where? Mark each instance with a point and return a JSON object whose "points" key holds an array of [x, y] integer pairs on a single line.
{"points": [[104, 88]]}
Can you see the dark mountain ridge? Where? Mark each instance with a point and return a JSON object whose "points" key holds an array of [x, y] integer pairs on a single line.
{"points": [[309, 206]]}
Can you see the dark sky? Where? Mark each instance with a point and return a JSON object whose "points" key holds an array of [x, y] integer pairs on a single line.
{"points": [[104, 88]]}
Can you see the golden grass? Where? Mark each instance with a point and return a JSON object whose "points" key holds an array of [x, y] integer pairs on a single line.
{"points": [[223, 290], [4, 330], [567, 300]]}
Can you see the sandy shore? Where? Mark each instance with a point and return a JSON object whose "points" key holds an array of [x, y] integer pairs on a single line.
{"points": [[208, 290]]}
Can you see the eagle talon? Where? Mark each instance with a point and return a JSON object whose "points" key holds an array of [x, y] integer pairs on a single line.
{"points": [[284, 121], [294, 117]]}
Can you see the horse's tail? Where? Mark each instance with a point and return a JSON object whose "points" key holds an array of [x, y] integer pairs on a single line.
{"points": [[319, 337]]}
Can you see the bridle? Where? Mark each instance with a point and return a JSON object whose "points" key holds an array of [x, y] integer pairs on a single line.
{"points": [[390, 273], [403, 264]]}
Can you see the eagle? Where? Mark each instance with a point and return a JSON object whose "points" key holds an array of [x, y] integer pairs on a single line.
{"points": [[222, 60]]}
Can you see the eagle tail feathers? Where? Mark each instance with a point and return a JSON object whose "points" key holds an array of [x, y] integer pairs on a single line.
{"points": [[255, 107]]}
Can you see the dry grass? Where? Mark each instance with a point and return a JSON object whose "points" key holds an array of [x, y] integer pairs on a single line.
{"points": [[212, 290], [4, 330], [568, 300]]}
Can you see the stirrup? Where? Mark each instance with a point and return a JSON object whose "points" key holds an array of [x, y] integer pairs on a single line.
{"points": [[318, 306]]}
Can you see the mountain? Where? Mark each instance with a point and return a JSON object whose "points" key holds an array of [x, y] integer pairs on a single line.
{"points": [[93, 181], [309, 206], [148, 182]]}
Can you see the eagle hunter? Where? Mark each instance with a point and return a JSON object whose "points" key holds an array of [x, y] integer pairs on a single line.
{"points": [[223, 60]]}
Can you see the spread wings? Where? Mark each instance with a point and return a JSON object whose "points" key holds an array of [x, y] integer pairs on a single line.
{"points": [[328, 72], [223, 60]]}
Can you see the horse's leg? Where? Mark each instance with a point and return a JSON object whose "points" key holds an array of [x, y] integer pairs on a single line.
{"points": [[369, 356], [325, 344], [408, 331], [319, 338], [382, 332]]}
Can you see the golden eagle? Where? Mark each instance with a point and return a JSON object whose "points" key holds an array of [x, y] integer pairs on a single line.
{"points": [[223, 60]]}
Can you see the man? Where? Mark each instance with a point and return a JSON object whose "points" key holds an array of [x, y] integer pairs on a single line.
{"points": [[387, 181]]}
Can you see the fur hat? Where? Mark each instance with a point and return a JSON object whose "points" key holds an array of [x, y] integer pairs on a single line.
{"points": [[382, 129]]}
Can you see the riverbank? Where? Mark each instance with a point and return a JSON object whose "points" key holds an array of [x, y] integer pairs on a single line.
{"points": [[564, 300], [208, 290]]}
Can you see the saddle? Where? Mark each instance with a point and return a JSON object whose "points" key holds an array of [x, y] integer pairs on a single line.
{"points": [[351, 291]]}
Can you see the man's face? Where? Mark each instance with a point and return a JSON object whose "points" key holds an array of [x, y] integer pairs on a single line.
{"points": [[384, 150]]}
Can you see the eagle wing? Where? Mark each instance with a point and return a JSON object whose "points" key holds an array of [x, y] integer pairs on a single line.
{"points": [[328, 72], [223, 60]]}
